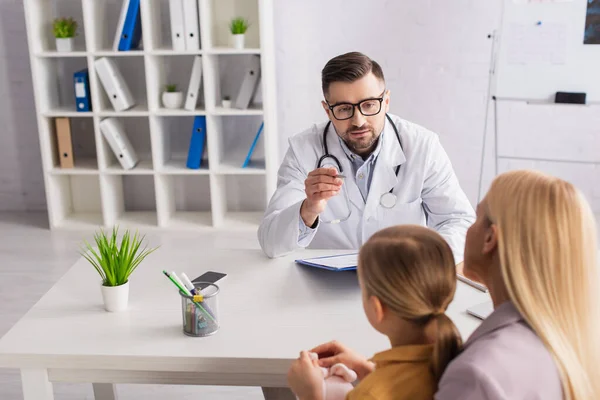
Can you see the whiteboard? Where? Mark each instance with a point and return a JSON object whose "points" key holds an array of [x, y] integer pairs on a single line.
{"points": [[541, 51]]}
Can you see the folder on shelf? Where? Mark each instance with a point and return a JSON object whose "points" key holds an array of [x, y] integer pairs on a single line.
{"points": [[191, 99], [254, 142], [343, 262], [114, 133], [249, 84], [114, 84], [65, 145], [177, 27], [129, 27], [81, 83], [192, 34], [194, 159]]}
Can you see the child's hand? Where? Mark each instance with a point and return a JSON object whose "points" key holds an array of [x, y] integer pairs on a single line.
{"points": [[305, 378], [333, 353]]}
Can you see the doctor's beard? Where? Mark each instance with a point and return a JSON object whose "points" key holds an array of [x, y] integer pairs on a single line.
{"points": [[363, 143]]}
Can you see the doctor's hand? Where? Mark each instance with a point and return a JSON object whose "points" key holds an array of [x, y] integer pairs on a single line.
{"points": [[320, 185]]}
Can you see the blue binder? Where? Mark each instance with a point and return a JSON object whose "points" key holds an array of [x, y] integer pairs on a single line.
{"points": [[249, 156], [196, 149], [132, 27], [81, 84]]}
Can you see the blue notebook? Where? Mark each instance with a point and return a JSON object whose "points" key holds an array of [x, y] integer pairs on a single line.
{"points": [[194, 159], [249, 156], [81, 83], [132, 27], [342, 262]]}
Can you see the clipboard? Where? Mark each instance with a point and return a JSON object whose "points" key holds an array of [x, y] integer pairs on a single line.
{"points": [[337, 263]]}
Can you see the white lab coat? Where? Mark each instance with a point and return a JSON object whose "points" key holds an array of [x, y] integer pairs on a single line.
{"points": [[427, 190]]}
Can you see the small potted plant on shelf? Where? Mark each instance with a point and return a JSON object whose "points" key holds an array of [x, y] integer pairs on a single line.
{"points": [[65, 29], [226, 102], [238, 27], [171, 98], [115, 260]]}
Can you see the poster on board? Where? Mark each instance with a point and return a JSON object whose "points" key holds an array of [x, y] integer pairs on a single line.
{"points": [[592, 23]]}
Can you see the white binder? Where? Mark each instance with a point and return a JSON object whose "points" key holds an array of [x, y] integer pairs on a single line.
{"points": [[191, 99], [112, 129], [192, 34], [177, 25], [120, 24], [249, 84], [114, 84]]}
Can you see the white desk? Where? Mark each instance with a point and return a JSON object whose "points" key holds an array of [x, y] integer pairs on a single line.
{"points": [[269, 311]]}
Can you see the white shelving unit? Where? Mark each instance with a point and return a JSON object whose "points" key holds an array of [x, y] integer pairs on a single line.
{"points": [[160, 191]]}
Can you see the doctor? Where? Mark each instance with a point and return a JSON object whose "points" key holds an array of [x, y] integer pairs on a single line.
{"points": [[362, 171]]}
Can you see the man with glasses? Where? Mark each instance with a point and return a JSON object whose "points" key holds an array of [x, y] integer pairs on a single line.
{"points": [[365, 170]]}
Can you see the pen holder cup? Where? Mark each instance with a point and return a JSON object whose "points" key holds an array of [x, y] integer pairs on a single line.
{"points": [[200, 313]]}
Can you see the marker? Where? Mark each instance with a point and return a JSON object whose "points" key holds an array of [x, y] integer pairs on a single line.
{"points": [[174, 276], [188, 284]]}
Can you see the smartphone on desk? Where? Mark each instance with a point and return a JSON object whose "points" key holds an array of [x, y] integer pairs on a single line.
{"points": [[210, 277]]}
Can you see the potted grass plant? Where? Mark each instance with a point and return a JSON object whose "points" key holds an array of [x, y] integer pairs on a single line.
{"points": [[115, 260], [65, 30], [172, 98], [238, 27]]}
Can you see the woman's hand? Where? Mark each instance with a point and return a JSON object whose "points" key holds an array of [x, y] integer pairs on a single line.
{"points": [[305, 378], [333, 353]]}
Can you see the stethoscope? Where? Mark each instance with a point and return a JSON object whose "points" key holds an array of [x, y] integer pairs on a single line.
{"points": [[387, 200]]}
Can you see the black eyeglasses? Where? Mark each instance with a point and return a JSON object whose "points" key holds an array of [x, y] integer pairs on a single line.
{"points": [[368, 108]]}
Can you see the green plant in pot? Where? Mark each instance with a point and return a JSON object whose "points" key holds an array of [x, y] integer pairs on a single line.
{"points": [[238, 27], [65, 29], [171, 97], [115, 259]]}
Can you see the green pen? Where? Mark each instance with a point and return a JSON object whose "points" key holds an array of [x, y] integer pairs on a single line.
{"points": [[185, 291]]}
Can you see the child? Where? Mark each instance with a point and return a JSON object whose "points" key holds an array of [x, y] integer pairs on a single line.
{"points": [[407, 277]]}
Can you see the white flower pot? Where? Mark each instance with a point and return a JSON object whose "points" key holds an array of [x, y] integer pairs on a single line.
{"points": [[115, 297], [238, 41], [226, 103], [64, 44], [172, 100]]}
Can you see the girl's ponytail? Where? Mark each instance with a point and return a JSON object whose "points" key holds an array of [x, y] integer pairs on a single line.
{"points": [[447, 345]]}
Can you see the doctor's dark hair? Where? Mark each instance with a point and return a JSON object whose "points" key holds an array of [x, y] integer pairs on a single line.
{"points": [[348, 68], [411, 270]]}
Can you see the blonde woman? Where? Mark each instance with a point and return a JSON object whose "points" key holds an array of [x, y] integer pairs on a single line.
{"points": [[534, 246], [407, 278]]}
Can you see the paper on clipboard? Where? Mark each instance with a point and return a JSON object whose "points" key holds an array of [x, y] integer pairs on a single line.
{"points": [[343, 262]]}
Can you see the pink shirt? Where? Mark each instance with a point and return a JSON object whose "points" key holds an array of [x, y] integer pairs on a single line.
{"points": [[503, 359]]}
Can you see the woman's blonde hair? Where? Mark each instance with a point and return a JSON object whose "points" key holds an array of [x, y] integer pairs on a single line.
{"points": [[547, 252], [411, 270]]}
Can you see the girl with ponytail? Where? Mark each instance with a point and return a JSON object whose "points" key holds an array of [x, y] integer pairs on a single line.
{"points": [[407, 278]]}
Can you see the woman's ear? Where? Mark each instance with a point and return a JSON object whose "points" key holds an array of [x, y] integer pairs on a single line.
{"points": [[490, 240]]}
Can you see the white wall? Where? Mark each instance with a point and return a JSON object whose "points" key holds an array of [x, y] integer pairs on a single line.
{"points": [[435, 55]]}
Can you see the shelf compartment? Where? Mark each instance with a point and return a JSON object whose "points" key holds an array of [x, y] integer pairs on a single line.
{"points": [[222, 13], [103, 20], [83, 146], [184, 201], [76, 201], [138, 133], [233, 137], [132, 70], [229, 72], [129, 200], [41, 15], [173, 136], [55, 84], [158, 16], [177, 70]]}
